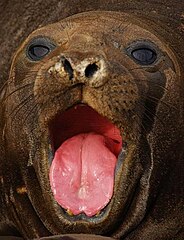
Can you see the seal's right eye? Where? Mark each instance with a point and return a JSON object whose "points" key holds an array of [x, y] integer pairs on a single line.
{"points": [[39, 48], [144, 55]]}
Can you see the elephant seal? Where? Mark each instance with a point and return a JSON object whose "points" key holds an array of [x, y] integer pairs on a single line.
{"points": [[92, 131]]}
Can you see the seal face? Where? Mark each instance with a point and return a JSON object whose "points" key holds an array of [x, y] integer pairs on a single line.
{"points": [[86, 93]]}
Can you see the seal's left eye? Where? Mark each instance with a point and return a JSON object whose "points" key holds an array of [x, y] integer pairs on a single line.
{"points": [[39, 48], [144, 56], [38, 51]]}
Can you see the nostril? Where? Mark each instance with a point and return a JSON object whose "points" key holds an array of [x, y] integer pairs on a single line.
{"points": [[68, 68], [91, 69]]}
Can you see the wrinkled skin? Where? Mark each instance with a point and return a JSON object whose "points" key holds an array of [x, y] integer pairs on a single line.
{"points": [[144, 102]]}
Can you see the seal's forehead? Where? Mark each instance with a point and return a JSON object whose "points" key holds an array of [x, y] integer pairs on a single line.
{"points": [[94, 28], [102, 23], [86, 22]]}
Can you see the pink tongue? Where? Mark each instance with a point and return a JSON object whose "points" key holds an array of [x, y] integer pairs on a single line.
{"points": [[82, 174]]}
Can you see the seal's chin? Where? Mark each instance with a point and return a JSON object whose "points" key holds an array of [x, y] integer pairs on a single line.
{"points": [[86, 147]]}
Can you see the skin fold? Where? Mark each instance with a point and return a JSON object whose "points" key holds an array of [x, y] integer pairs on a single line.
{"points": [[145, 101]]}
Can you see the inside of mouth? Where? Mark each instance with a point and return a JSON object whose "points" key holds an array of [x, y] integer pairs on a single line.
{"points": [[86, 146]]}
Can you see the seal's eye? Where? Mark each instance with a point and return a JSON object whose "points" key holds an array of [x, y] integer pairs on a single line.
{"points": [[144, 56], [39, 48], [38, 51]]}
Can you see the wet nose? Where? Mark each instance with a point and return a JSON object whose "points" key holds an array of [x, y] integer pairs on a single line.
{"points": [[86, 69], [91, 71]]}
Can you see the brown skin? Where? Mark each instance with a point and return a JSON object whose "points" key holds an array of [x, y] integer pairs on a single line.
{"points": [[147, 201]]}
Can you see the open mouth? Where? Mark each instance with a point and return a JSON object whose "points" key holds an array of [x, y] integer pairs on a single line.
{"points": [[86, 147]]}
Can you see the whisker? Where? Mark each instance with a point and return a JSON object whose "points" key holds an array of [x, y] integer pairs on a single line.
{"points": [[141, 123], [18, 89], [69, 24], [124, 28], [138, 68], [20, 106], [23, 103], [61, 26], [151, 113], [65, 30], [6, 83], [30, 111], [156, 100], [139, 116], [10, 80], [154, 83]]}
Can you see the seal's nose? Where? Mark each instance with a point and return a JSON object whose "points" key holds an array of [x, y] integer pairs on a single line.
{"points": [[91, 71], [88, 71]]}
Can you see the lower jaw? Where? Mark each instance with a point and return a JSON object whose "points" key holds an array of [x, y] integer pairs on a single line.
{"points": [[55, 217], [110, 214], [121, 176]]}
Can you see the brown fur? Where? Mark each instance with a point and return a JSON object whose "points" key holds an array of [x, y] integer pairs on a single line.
{"points": [[153, 170]]}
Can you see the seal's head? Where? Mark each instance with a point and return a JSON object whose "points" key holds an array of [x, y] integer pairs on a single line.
{"points": [[89, 103]]}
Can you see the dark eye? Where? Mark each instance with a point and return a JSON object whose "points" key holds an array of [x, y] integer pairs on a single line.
{"points": [[144, 56], [39, 48], [38, 51]]}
